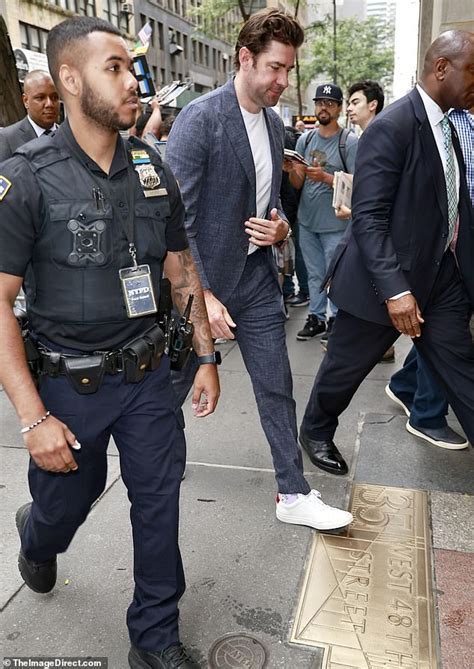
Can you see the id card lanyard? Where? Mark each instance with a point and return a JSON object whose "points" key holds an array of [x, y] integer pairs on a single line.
{"points": [[137, 286]]}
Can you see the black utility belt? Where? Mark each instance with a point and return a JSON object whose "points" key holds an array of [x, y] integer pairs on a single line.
{"points": [[86, 372]]}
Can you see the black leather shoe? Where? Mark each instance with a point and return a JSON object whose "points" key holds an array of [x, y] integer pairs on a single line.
{"points": [[173, 657], [324, 454], [38, 576]]}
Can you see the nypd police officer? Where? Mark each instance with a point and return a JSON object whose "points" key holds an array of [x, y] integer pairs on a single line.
{"points": [[88, 223]]}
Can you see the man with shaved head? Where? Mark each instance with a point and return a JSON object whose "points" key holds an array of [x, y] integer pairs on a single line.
{"points": [[41, 101], [407, 266]]}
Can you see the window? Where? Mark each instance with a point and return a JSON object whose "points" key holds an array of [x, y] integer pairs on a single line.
{"points": [[112, 13], [195, 51], [162, 76], [33, 38], [86, 7], [206, 55], [161, 39], [185, 46]]}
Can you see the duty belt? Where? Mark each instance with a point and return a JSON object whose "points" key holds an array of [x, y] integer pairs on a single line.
{"points": [[86, 372]]}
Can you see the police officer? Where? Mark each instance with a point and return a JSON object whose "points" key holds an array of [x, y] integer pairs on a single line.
{"points": [[88, 222]]}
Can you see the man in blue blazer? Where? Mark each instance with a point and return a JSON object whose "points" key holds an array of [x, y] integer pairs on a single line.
{"points": [[226, 150], [407, 265]]}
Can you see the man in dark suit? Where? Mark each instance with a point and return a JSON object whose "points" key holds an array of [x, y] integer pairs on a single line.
{"points": [[41, 101], [406, 266], [226, 150]]}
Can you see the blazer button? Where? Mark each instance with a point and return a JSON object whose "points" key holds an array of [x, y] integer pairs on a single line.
{"points": [[437, 262]]}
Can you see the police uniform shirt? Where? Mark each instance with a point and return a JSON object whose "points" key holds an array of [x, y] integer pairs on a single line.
{"points": [[22, 219]]}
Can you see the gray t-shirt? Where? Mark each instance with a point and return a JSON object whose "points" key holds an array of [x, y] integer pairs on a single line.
{"points": [[315, 210]]}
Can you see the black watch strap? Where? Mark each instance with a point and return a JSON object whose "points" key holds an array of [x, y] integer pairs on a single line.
{"points": [[211, 359]]}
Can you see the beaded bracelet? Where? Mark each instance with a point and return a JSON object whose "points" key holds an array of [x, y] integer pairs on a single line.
{"points": [[35, 424]]}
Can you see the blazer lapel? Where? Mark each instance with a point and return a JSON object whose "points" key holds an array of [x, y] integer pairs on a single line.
{"points": [[433, 160], [234, 127]]}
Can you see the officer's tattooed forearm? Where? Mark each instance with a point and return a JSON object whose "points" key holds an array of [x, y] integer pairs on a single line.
{"points": [[187, 283]]}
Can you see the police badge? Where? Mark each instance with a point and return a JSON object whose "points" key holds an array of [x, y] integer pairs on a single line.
{"points": [[149, 179]]}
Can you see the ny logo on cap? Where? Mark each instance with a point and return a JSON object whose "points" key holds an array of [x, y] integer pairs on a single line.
{"points": [[327, 90]]}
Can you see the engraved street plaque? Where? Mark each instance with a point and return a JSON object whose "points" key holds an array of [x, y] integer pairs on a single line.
{"points": [[366, 597]]}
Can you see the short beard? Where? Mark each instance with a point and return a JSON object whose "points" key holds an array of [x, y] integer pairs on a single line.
{"points": [[324, 121], [93, 107]]}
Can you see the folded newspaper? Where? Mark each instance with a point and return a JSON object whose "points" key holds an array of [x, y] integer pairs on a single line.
{"points": [[342, 193], [294, 155]]}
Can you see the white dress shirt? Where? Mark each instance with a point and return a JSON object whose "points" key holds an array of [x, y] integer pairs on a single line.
{"points": [[38, 129]]}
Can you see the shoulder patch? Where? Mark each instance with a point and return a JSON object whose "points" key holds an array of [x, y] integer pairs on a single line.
{"points": [[4, 186]]}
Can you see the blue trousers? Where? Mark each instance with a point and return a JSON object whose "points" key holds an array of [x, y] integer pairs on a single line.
{"points": [[416, 387], [143, 421], [256, 306], [318, 249]]}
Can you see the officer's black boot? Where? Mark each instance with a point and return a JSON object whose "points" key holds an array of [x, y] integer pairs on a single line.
{"points": [[39, 576], [174, 657]]}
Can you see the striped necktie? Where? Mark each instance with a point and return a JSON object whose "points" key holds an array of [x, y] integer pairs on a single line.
{"points": [[450, 176]]}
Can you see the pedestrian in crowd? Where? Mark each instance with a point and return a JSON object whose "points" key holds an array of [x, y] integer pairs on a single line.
{"points": [[300, 126], [225, 149], [397, 273], [88, 222], [289, 197], [41, 101], [413, 387], [365, 101], [327, 149]]}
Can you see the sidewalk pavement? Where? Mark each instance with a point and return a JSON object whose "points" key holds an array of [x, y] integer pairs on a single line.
{"points": [[244, 569]]}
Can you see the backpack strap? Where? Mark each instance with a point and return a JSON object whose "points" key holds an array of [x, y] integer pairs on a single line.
{"points": [[344, 134], [308, 138]]}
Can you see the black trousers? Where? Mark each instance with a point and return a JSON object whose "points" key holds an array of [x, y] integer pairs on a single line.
{"points": [[356, 346]]}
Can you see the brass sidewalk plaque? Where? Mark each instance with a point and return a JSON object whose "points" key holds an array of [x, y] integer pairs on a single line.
{"points": [[366, 597]]}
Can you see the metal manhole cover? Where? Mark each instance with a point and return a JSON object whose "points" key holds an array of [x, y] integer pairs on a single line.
{"points": [[236, 651]]}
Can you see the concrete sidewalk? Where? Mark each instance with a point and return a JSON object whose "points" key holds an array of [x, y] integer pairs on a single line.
{"points": [[244, 568]]}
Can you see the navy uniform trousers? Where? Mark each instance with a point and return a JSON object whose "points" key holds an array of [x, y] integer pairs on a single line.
{"points": [[256, 306], [142, 420], [355, 346]]}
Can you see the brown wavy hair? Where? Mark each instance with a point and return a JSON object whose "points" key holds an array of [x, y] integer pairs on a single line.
{"points": [[263, 27]]}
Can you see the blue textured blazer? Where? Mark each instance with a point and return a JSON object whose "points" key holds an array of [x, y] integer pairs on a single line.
{"points": [[209, 153]]}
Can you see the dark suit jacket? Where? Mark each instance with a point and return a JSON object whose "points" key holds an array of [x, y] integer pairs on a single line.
{"points": [[14, 136], [399, 216], [209, 152]]}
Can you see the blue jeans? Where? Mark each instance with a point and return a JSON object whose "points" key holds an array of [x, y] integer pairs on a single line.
{"points": [[415, 386], [318, 249], [300, 269]]}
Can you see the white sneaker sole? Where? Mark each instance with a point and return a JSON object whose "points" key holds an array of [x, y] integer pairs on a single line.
{"points": [[441, 444], [301, 520], [395, 399]]}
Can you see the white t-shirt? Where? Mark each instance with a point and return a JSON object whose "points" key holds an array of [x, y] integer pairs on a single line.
{"points": [[262, 157]]}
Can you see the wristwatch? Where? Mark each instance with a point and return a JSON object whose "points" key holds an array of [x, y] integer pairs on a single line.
{"points": [[211, 359]]}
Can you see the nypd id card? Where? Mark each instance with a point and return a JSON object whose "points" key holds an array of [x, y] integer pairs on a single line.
{"points": [[138, 290]]}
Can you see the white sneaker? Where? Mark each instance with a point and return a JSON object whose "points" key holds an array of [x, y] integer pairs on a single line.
{"points": [[310, 510]]}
